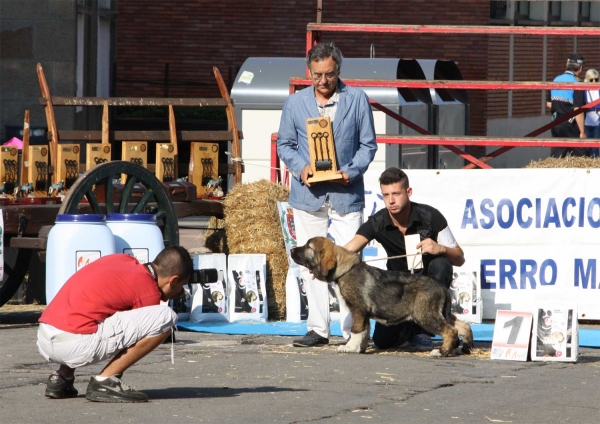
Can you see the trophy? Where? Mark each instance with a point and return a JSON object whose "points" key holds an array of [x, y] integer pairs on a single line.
{"points": [[322, 150]]}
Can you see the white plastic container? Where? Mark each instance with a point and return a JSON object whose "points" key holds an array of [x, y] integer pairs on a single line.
{"points": [[73, 242], [136, 234]]}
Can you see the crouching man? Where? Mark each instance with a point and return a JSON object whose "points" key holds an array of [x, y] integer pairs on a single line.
{"points": [[110, 310]]}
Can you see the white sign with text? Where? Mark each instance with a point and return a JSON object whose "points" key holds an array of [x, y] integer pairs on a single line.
{"points": [[529, 232]]}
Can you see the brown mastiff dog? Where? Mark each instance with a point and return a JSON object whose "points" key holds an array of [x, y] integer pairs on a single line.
{"points": [[389, 297]]}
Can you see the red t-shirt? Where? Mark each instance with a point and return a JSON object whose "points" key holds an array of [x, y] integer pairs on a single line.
{"points": [[110, 284]]}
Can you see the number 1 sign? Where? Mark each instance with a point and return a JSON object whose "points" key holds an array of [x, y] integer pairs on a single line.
{"points": [[512, 332]]}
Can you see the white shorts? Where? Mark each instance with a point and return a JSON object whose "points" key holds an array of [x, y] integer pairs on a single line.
{"points": [[117, 332]]}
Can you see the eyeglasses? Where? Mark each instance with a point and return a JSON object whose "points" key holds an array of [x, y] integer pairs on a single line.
{"points": [[328, 76]]}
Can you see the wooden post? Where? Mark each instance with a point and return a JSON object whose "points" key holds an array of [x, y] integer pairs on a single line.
{"points": [[105, 135], [236, 151], [51, 121], [97, 153], [173, 139], [25, 151]]}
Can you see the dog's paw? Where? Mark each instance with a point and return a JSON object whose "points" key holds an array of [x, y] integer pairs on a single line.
{"points": [[349, 349], [457, 352], [436, 353]]}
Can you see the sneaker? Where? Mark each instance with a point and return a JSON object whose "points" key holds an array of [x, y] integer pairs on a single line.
{"points": [[59, 387], [112, 390], [423, 343], [311, 339]]}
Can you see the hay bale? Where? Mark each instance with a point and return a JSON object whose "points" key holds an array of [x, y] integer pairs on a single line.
{"points": [[252, 226], [568, 162]]}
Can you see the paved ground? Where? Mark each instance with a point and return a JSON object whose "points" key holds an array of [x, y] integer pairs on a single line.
{"points": [[259, 379]]}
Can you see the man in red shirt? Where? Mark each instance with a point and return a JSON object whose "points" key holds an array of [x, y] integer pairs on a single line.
{"points": [[110, 309]]}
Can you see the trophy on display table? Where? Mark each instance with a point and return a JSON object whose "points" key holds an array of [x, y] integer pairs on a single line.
{"points": [[322, 150]]}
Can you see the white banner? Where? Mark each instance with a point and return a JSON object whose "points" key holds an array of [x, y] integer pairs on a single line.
{"points": [[530, 232]]}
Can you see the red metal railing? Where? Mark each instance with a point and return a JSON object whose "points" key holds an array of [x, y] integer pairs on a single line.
{"points": [[296, 82], [312, 37]]}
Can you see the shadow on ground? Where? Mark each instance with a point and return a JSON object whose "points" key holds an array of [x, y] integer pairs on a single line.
{"points": [[211, 392]]}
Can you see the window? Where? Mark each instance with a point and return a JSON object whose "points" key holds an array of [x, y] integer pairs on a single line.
{"points": [[584, 11], [523, 10], [554, 11], [498, 9]]}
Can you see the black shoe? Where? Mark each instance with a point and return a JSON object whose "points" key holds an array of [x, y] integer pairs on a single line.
{"points": [[59, 387], [311, 339], [112, 390]]}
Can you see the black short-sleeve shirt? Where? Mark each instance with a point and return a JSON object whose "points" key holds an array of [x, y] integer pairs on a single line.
{"points": [[424, 220]]}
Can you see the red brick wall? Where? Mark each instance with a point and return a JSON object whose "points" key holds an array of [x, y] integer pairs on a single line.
{"points": [[528, 66], [192, 36]]}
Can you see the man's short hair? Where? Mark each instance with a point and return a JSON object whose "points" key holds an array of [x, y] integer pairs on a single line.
{"points": [[322, 51], [174, 260], [574, 62], [394, 175]]}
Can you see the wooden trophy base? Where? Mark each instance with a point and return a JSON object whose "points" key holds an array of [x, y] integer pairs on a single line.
{"points": [[9, 169], [204, 166], [67, 164], [165, 169], [322, 150], [327, 177], [136, 152], [37, 169], [96, 153]]}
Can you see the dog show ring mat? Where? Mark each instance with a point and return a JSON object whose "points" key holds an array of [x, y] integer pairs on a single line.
{"points": [[481, 332]]}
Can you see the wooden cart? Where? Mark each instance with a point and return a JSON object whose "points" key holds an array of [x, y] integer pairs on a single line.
{"points": [[107, 186]]}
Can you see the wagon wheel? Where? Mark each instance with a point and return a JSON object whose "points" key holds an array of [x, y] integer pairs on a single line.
{"points": [[101, 178], [14, 275]]}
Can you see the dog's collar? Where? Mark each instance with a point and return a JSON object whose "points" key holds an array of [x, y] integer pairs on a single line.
{"points": [[340, 276]]}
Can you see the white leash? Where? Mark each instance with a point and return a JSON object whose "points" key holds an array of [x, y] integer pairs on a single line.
{"points": [[392, 257], [414, 265]]}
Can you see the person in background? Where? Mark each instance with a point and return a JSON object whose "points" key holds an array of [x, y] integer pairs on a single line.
{"points": [[110, 310], [563, 102], [592, 117], [333, 207], [400, 218]]}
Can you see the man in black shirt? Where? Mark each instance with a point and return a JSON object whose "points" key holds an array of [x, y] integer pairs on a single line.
{"points": [[389, 226], [566, 101]]}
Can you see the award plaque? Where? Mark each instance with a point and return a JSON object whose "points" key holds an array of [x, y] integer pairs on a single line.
{"points": [[322, 150]]}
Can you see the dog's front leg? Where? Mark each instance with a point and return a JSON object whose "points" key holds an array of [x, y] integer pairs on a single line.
{"points": [[359, 336]]}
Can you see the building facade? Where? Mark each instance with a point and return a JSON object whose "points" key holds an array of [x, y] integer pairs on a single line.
{"points": [[168, 48]]}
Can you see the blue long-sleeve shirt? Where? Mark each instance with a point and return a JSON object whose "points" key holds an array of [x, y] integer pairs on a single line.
{"points": [[355, 147]]}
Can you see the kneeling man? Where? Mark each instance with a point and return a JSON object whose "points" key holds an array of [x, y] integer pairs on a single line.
{"points": [[110, 310]]}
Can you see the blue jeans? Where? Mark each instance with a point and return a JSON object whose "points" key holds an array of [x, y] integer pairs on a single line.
{"points": [[593, 132], [440, 269]]}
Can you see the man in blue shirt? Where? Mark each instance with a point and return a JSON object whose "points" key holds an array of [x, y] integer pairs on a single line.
{"points": [[324, 208], [566, 101]]}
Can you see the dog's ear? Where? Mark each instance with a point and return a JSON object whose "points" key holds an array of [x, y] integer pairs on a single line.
{"points": [[328, 259]]}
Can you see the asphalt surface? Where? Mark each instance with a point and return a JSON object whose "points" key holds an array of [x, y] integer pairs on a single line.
{"points": [[262, 379]]}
